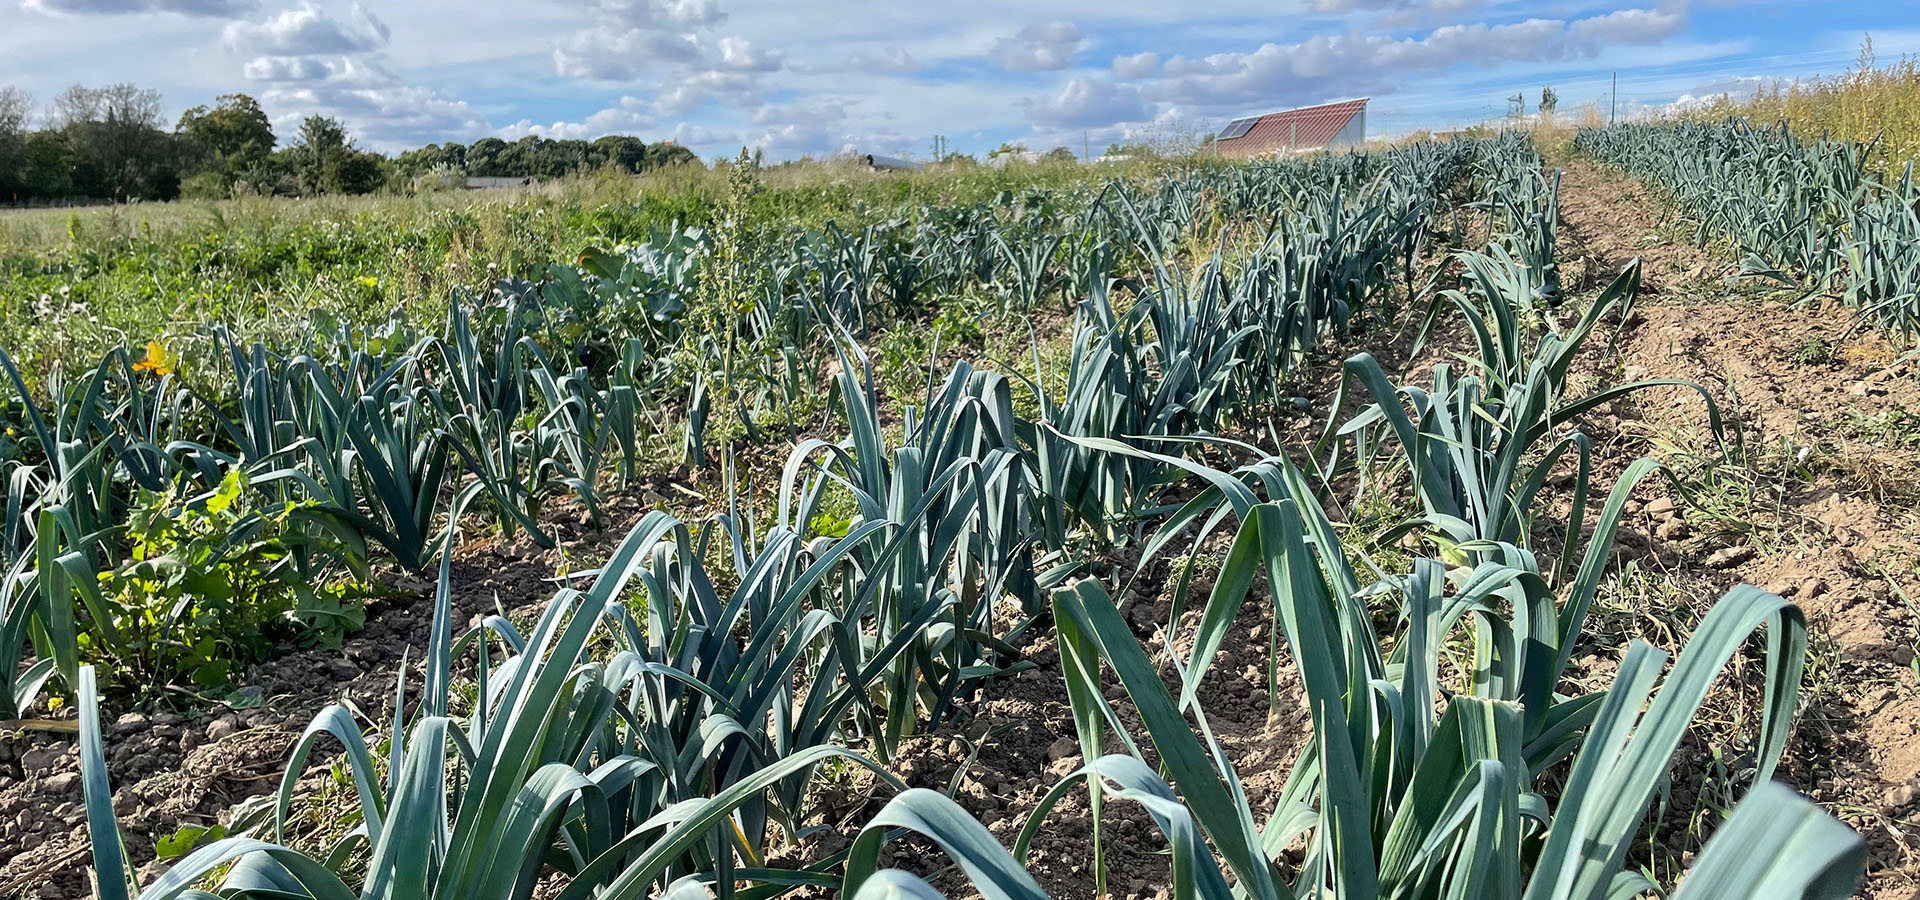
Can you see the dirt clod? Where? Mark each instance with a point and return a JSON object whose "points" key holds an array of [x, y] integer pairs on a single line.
{"points": [[1728, 557]]}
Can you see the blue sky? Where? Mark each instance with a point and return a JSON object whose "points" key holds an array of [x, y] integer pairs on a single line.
{"points": [[806, 77]]}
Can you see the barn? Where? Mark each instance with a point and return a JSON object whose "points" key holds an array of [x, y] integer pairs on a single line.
{"points": [[1330, 127]]}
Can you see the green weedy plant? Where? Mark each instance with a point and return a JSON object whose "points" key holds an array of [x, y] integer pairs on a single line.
{"points": [[213, 579]]}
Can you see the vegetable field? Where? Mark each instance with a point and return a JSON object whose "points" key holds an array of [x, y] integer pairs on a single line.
{"points": [[1370, 525]]}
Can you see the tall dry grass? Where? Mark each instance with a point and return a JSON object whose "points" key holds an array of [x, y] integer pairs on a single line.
{"points": [[1870, 103]]}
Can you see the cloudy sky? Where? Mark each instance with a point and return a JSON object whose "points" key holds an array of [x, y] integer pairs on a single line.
{"points": [[805, 77]]}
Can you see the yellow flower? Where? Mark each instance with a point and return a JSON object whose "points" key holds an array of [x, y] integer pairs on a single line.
{"points": [[368, 281], [158, 360]]}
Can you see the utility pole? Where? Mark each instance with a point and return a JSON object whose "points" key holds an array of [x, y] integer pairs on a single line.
{"points": [[1086, 148], [1613, 101]]}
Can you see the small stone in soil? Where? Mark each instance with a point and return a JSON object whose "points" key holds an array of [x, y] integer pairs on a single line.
{"points": [[42, 758], [1728, 557], [222, 728], [1895, 800]]}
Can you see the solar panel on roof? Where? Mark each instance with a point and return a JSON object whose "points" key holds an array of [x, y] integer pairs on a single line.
{"points": [[1238, 128]]}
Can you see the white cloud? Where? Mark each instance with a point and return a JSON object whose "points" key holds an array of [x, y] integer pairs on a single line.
{"points": [[632, 37], [317, 63], [1735, 87], [338, 71], [891, 60], [873, 77], [287, 68], [1626, 26], [387, 117], [1404, 8], [309, 30], [211, 8], [656, 14], [1087, 101], [592, 55], [696, 90], [1138, 65], [694, 136], [1354, 63], [740, 54], [1038, 47], [629, 116]]}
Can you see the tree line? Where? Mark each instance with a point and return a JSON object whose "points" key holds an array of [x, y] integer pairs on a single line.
{"points": [[112, 143]]}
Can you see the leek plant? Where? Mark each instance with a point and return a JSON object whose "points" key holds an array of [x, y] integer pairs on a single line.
{"points": [[553, 770], [1395, 799], [957, 497], [1808, 213], [1480, 447]]}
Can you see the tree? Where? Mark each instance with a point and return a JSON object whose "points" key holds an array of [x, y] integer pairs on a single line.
{"points": [[234, 135], [118, 147], [1549, 101], [352, 171], [1060, 154], [666, 153], [325, 161], [15, 106], [48, 170], [320, 139], [625, 151], [483, 154]]}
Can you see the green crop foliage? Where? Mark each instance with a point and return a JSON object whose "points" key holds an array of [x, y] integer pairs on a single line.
{"points": [[1807, 212], [663, 731]]}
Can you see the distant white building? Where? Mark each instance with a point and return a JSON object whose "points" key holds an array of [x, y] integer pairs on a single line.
{"points": [[1003, 160], [494, 182], [447, 181]]}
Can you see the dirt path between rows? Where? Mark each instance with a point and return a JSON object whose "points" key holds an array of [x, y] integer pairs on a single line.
{"points": [[1819, 504]]}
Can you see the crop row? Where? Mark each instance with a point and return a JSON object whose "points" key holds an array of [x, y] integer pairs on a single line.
{"points": [[1805, 212]]}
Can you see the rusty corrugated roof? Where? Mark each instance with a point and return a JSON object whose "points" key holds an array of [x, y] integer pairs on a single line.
{"points": [[1304, 128]]}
